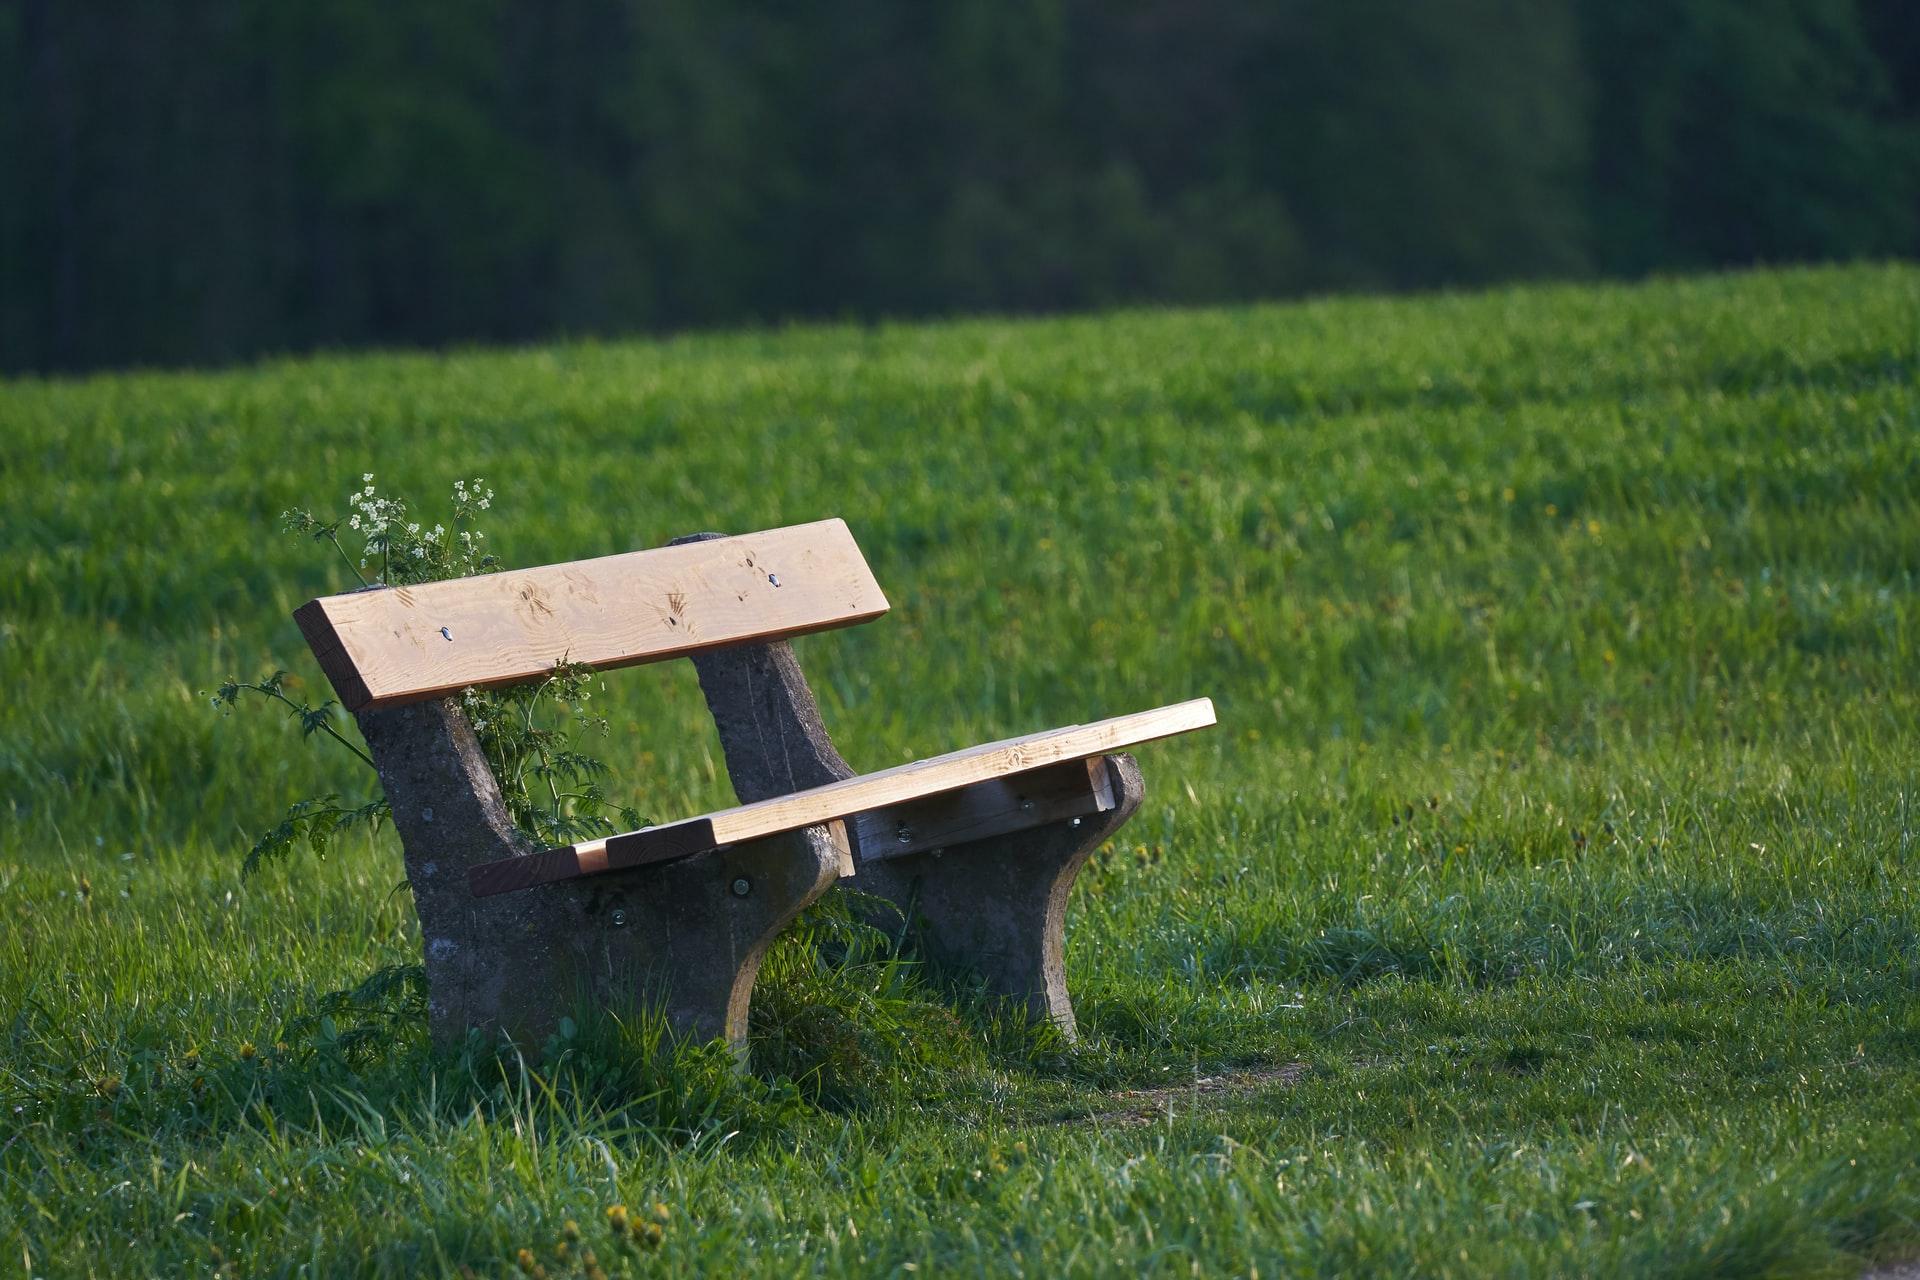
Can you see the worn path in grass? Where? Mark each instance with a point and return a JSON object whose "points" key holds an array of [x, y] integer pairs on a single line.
{"points": [[1561, 819]]}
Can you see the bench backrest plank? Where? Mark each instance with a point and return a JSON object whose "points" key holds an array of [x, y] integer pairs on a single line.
{"points": [[387, 646]]}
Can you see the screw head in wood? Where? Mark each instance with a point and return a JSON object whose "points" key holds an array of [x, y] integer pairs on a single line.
{"points": [[742, 887], [619, 917]]}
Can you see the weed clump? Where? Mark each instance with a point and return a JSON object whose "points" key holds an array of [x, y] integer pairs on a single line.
{"points": [[554, 791], [843, 1011]]}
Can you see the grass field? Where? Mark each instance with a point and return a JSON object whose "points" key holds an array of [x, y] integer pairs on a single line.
{"points": [[1543, 903]]}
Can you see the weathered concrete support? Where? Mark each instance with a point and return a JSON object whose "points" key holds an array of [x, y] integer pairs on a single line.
{"points": [[996, 907], [691, 933], [769, 724]]}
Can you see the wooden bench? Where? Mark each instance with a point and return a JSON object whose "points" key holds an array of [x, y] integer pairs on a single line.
{"points": [[979, 848]]}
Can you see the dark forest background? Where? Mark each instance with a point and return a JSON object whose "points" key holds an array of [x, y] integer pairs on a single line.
{"points": [[205, 180]]}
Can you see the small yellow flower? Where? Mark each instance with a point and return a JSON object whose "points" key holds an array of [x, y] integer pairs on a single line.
{"points": [[570, 1229], [617, 1217], [524, 1260], [661, 1212], [648, 1234], [247, 1050]]}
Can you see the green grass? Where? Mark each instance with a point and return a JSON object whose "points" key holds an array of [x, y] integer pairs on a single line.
{"points": [[1560, 820]]}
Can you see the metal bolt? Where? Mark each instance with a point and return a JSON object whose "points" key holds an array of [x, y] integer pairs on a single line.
{"points": [[742, 887], [619, 917], [1027, 805], [905, 836], [426, 815], [1076, 822]]}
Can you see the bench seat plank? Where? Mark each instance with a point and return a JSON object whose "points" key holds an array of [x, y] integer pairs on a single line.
{"points": [[395, 645], [841, 800]]}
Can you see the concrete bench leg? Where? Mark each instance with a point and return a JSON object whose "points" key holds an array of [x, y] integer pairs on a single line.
{"points": [[691, 933], [994, 906], [998, 907]]}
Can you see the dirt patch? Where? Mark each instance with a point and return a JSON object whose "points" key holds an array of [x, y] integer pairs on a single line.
{"points": [[1137, 1108]]}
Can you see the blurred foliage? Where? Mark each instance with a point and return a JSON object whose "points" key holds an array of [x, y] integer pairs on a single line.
{"points": [[203, 180]]}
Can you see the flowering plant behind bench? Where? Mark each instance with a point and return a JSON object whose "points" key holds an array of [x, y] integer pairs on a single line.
{"points": [[552, 789]]}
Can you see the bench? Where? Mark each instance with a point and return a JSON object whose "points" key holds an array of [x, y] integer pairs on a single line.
{"points": [[978, 848]]}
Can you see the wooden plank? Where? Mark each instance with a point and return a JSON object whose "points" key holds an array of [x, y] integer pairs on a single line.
{"points": [[867, 792], [394, 645], [996, 807], [950, 772], [570, 862]]}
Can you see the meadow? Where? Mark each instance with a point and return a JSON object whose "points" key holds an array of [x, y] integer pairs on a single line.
{"points": [[1541, 904]]}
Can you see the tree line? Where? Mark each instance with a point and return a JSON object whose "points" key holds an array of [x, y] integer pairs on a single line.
{"points": [[196, 181]]}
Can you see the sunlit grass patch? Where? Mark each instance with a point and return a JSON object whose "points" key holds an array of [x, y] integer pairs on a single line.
{"points": [[1545, 886]]}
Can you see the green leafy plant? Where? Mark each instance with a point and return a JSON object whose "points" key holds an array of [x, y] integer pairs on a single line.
{"points": [[364, 1021], [553, 790], [406, 552], [530, 734]]}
